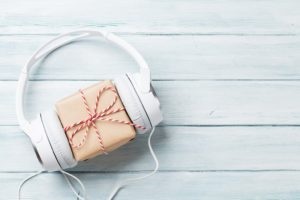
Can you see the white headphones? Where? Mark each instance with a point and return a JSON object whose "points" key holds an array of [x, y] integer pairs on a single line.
{"points": [[46, 132]]}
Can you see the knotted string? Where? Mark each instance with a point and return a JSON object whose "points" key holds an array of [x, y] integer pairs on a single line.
{"points": [[94, 115], [90, 122]]}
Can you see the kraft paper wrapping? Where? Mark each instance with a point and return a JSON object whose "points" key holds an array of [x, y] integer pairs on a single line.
{"points": [[72, 109]]}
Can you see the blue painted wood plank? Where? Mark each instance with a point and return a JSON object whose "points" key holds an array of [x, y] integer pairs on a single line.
{"points": [[143, 16], [169, 57], [201, 102], [179, 185], [178, 149], [225, 42]]}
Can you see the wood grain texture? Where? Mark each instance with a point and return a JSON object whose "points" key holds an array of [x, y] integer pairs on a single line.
{"points": [[196, 57], [178, 149], [184, 102], [179, 185], [143, 16], [227, 74]]}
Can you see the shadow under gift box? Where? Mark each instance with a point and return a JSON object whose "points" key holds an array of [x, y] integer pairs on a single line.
{"points": [[92, 136]]}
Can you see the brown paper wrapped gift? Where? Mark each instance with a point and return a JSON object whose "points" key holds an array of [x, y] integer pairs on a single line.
{"points": [[72, 110]]}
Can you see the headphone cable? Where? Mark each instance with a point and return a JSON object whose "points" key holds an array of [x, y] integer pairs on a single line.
{"points": [[125, 182], [66, 176], [116, 188]]}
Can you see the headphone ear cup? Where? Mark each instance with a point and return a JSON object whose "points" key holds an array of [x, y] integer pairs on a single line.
{"points": [[58, 139], [132, 103]]}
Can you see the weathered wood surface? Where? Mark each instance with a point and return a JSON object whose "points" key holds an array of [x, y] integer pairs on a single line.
{"points": [[184, 102], [143, 16], [179, 149], [227, 74], [170, 185], [170, 57]]}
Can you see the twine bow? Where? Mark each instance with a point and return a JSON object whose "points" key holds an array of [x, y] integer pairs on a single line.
{"points": [[90, 121]]}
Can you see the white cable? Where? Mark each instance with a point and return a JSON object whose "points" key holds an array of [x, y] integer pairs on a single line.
{"points": [[65, 174], [25, 180], [115, 190], [132, 180]]}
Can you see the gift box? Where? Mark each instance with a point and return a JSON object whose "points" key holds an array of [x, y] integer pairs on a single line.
{"points": [[95, 121]]}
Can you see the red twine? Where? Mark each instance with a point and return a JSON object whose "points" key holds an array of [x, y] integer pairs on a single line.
{"points": [[90, 122]]}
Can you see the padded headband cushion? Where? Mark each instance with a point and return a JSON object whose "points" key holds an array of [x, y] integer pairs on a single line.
{"points": [[132, 103], [58, 139]]}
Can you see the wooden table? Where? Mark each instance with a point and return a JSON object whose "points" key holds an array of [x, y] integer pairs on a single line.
{"points": [[227, 74]]}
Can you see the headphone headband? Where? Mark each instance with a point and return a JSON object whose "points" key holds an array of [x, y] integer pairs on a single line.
{"points": [[143, 76]]}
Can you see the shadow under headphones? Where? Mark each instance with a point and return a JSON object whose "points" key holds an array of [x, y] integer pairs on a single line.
{"points": [[46, 132]]}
